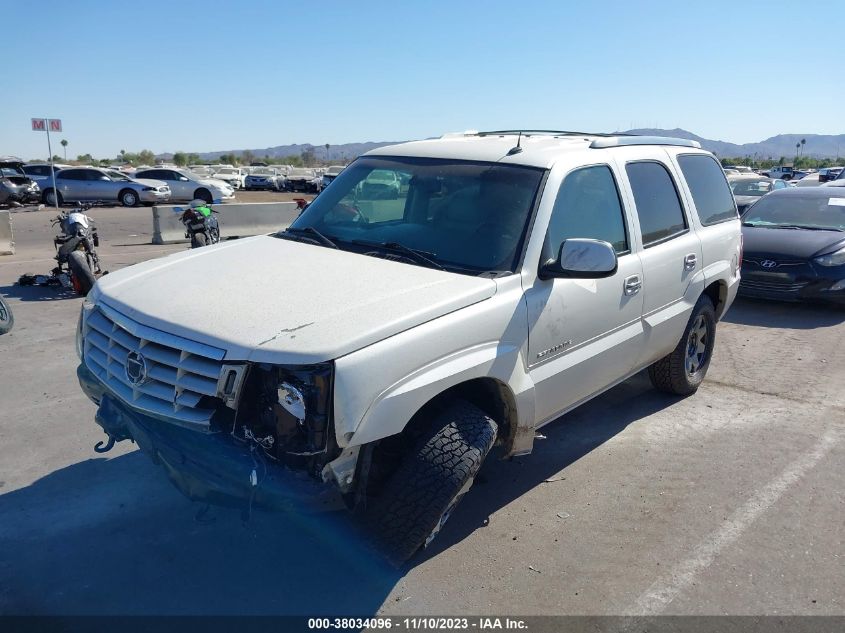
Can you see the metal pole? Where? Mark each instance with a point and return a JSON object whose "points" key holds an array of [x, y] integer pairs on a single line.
{"points": [[52, 170]]}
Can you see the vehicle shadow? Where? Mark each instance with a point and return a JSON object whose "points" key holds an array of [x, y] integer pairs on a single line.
{"points": [[778, 314], [112, 536], [567, 439], [38, 293]]}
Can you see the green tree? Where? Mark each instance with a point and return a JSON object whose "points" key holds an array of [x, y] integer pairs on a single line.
{"points": [[308, 156], [146, 157], [85, 158], [193, 158], [247, 157], [180, 159], [64, 145]]}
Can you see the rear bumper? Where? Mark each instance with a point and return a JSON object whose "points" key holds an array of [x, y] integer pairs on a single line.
{"points": [[212, 468]]}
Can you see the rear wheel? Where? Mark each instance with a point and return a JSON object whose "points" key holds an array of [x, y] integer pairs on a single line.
{"points": [[50, 197], [198, 240], [129, 198], [683, 371], [78, 263], [204, 195], [7, 320], [433, 477]]}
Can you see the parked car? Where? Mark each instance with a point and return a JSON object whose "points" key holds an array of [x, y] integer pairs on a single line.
{"points": [[16, 187], [303, 179], [826, 174], [185, 185], [403, 338], [265, 178], [748, 189], [202, 170], [810, 180], [785, 172], [232, 175], [380, 184], [742, 169], [86, 184], [795, 246], [40, 172], [331, 173]]}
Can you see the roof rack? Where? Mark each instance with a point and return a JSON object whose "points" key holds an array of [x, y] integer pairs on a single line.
{"points": [[614, 140], [544, 133]]}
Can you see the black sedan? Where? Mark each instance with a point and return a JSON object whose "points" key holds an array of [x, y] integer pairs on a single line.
{"points": [[794, 246]]}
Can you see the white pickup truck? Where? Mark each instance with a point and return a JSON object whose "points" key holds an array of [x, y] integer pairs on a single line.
{"points": [[378, 349]]}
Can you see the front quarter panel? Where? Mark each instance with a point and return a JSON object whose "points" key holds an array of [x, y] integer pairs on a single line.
{"points": [[378, 389]]}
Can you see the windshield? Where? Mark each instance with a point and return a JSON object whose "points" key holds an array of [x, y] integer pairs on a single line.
{"points": [[821, 212], [6, 170], [469, 217], [751, 187], [301, 172], [116, 175], [263, 171], [227, 170]]}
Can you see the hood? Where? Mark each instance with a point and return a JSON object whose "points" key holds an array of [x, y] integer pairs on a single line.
{"points": [[271, 300], [214, 182], [789, 243], [151, 183]]}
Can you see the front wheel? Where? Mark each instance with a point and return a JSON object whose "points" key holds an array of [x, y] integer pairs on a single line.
{"points": [[431, 480], [7, 319], [129, 198], [52, 198], [78, 263], [683, 371], [204, 195]]}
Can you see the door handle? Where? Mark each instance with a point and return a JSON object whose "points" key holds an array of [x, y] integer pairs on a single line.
{"points": [[690, 261], [632, 285]]}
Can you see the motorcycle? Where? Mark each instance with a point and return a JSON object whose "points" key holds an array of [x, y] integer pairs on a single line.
{"points": [[7, 320], [78, 263], [200, 229]]}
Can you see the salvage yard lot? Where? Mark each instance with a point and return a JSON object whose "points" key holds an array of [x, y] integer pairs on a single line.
{"points": [[729, 501]]}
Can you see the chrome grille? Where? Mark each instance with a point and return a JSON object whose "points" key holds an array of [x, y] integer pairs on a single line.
{"points": [[180, 372]]}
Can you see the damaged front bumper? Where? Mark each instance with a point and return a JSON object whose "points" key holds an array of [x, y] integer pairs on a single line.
{"points": [[213, 468]]}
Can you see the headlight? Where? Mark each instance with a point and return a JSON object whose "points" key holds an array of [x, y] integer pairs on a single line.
{"points": [[87, 308], [832, 259], [292, 400]]}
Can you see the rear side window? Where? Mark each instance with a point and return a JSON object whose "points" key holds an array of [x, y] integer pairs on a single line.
{"points": [[72, 174], [710, 191], [587, 206], [658, 205]]}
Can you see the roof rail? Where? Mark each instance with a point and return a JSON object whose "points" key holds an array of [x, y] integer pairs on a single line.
{"points": [[543, 133], [620, 141]]}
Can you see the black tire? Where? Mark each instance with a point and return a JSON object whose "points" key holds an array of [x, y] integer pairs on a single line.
{"points": [[45, 198], [204, 195], [129, 198], [683, 371], [432, 478], [7, 319], [198, 240], [78, 263]]}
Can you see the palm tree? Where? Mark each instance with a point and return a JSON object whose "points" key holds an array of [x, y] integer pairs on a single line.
{"points": [[64, 144], [327, 152], [803, 141]]}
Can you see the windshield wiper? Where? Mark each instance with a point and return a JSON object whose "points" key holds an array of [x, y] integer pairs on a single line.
{"points": [[421, 257], [804, 227], [310, 230]]}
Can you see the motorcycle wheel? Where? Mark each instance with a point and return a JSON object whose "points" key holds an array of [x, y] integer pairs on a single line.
{"points": [[7, 319], [198, 240], [82, 272]]}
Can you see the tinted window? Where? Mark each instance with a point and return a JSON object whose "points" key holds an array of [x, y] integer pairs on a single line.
{"points": [[587, 206], [93, 174], [658, 205], [786, 209], [71, 174], [710, 192]]}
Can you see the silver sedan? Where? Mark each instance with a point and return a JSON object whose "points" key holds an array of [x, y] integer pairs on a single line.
{"points": [[104, 185]]}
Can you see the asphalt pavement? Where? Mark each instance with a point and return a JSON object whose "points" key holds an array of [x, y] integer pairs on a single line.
{"points": [[726, 502]]}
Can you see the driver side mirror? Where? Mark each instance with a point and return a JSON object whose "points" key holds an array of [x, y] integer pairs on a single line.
{"points": [[580, 258], [183, 179]]}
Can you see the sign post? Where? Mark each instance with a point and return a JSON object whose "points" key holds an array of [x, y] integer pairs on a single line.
{"points": [[48, 125]]}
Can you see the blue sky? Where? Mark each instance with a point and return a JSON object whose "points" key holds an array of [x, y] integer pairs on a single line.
{"points": [[202, 76]]}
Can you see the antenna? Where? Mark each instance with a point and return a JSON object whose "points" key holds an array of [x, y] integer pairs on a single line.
{"points": [[517, 149]]}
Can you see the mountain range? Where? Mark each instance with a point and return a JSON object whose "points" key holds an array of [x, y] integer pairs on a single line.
{"points": [[816, 146]]}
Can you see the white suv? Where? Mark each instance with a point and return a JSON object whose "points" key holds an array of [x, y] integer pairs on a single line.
{"points": [[383, 344]]}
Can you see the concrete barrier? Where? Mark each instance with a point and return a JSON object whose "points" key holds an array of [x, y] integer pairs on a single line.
{"points": [[235, 219], [7, 239]]}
